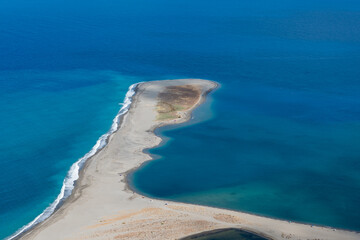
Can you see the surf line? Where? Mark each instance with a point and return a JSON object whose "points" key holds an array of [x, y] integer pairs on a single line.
{"points": [[73, 173]]}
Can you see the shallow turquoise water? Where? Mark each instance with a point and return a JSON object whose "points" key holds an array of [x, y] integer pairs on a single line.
{"points": [[282, 136], [49, 125]]}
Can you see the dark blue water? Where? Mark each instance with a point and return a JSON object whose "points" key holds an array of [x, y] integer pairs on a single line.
{"points": [[283, 139]]}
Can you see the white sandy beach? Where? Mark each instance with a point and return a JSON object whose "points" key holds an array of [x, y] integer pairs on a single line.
{"points": [[103, 207]]}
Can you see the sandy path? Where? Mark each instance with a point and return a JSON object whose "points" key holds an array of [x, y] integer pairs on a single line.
{"points": [[102, 207]]}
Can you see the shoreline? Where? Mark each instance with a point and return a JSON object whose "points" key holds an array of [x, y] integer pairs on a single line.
{"points": [[84, 182], [80, 164], [203, 98]]}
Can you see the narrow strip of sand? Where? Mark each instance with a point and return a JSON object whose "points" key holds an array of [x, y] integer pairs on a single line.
{"points": [[103, 207]]}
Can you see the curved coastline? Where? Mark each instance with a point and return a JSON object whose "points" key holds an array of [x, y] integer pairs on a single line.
{"points": [[157, 132], [69, 182], [188, 121], [263, 226]]}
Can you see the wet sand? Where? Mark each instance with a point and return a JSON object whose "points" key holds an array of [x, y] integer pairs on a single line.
{"points": [[103, 207]]}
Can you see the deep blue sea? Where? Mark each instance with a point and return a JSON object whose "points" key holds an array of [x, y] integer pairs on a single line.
{"points": [[280, 137]]}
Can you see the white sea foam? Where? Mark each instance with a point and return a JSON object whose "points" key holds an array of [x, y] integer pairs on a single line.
{"points": [[73, 173]]}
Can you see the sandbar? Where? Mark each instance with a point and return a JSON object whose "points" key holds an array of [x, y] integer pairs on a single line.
{"points": [[102, 206]]}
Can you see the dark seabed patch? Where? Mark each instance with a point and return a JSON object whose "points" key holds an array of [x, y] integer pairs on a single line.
{"points": [[225, 234]]}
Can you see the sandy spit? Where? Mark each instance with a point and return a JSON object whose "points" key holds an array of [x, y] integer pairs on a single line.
{"points": [[103, 207]]}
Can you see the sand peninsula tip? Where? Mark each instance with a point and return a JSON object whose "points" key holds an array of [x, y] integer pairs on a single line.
{"points": [[101, 205]]}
